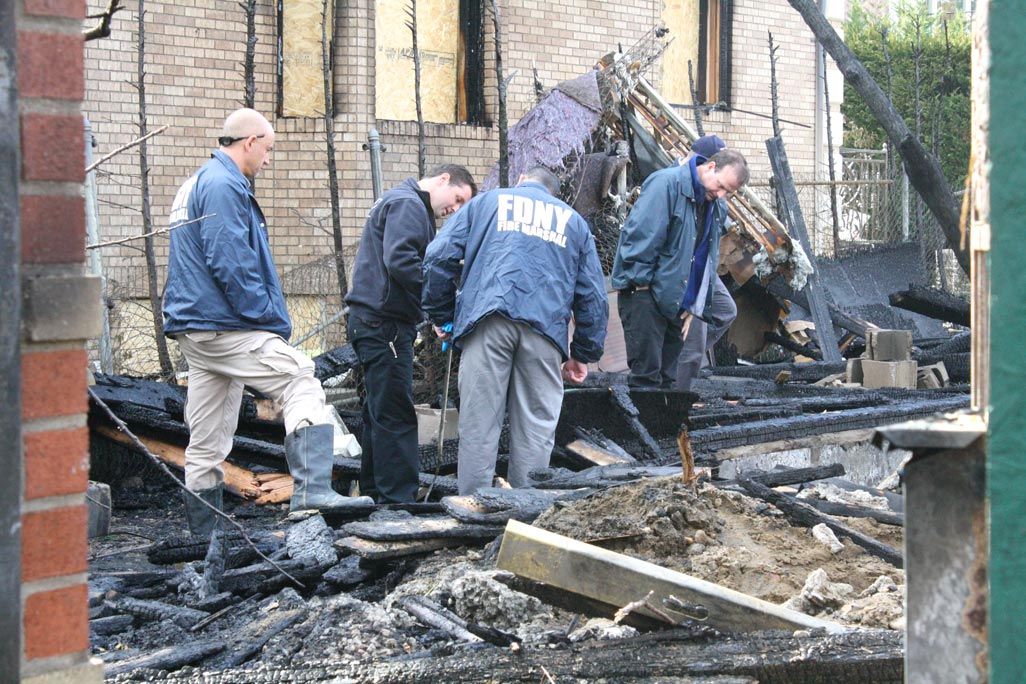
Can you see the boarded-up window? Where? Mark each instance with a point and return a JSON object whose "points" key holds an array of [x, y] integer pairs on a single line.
{"points": [[701, 30], [301, 64], [438, 42]]}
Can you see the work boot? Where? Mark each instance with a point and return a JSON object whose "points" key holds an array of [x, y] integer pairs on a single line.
{"points": [[309, 453], [202, 519]]}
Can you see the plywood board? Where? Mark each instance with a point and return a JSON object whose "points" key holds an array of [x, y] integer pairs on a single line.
{"points": [[302, 77]]}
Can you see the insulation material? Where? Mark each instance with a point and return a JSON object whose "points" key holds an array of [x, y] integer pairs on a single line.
{"points": [[559, 126], [302, 79], [682, 18], [437, 43]]}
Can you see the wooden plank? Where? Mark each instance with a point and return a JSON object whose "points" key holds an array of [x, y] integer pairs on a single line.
{"points": [[616, 580], [388, 550], [594, 453], [796, 224], [238, 481], [420, 528]]}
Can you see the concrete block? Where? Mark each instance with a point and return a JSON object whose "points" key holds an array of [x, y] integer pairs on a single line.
{"points": [[932, 377], [427, 424], [889, 345], [877, 374], [62, 308], [98, 501], [853, 373]]}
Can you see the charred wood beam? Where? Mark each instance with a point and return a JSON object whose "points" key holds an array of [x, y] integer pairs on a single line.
{"points": [[741, 414], [816, 404], [112, 624], [264, 578], [256, 637], [182, 548], [156, 610], [800, 372], [621, 398], [851, 511], [858, 656], [431, 614], [933, 303], [796, 224], [169, 658], [712, 439], [780, 288], [790, 345], [807, 516], [335, 362], [420, 528], [600, 476], [790, 476]]}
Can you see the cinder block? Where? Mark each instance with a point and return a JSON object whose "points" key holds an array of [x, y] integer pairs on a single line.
{"points": [[853, 373], [889, 345], [876, 374]]}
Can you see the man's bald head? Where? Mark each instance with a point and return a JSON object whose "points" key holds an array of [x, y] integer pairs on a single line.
{"points": [[245, 122], [248, 138]]}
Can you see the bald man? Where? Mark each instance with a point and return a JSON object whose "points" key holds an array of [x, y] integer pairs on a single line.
{"points": [[224, 305]]}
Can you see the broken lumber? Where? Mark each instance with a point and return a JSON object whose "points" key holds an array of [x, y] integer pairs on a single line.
{"points": [[420, 528], [239, 481], [181, 548], [256, 635], [851, 511], [264, 578], [590, 452], [156, 610], [599, 476], [780, 477], [807, 516], [170, 658], [390, 550], [616, 580], [621, 398], [933, 303], [113, 624], [430, 614], [710, 440]]}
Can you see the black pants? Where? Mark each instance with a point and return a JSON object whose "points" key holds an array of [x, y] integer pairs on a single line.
{"points": [[390, 467], [652, 340]]}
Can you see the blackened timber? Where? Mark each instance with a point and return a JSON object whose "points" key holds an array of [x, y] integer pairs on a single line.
{"points": [[851, 511], [796, 224], [741, 414], [836, 401], [713, 439], [157, 610], [420, 528], [335, 362], [841, 319], [790, 476], [808, 516], [430, 614], [113, 624], [264, 578], [800, 372], [256, 635], [390, 550], [170, 658], [933, 303], [792, 346], [601, 476], [621, 398]]}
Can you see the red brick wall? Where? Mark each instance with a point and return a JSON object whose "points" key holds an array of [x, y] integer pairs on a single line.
{"points": [[55, 439]]}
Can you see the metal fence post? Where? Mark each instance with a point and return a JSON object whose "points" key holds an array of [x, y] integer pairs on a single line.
{"points": [[93, 236]]}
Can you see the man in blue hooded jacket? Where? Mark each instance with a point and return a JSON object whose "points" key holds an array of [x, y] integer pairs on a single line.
{"points": [[667, 245], [509, 271], [224, 305]]}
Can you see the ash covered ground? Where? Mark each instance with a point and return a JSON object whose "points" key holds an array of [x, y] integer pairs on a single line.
{"points": [[355, 615]]}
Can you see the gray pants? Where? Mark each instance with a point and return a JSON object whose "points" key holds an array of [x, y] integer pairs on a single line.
{"points": [[703, 336], [507, 367]]}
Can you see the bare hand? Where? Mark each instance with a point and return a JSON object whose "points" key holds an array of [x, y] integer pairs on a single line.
{"points": [[443, 334], [686, 324], [574, 371]]}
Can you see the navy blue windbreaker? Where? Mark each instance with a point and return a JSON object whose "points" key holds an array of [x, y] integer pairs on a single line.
{"points": [[525, 255], [220, 273]]}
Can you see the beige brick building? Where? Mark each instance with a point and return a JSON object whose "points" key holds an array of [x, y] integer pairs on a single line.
{"points": [[194, 55]]}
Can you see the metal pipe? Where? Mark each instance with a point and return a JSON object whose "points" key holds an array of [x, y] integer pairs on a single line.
{"points": [[374, 146], [10, 353]]}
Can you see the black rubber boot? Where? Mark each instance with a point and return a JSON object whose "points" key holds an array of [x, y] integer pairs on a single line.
{"points": [[310, 455], [202, 519]]}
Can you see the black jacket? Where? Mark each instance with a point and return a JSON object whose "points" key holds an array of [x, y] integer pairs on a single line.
{"points": [[387, 275]]}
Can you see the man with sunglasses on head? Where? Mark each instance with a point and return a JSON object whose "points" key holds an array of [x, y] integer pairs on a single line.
{"points": [[223, 303], [668, 247]]}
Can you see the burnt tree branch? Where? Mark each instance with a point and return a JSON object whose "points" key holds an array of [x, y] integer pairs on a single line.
{"points": [[101, 29], [329, 146], [411, 11], [501, 84]]}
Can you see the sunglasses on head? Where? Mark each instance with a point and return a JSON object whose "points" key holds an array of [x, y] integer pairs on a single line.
{"points": [[226, 140]]}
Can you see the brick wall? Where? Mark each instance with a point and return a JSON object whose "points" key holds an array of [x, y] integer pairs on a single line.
{"points": [[60, 309], [194, 54]]}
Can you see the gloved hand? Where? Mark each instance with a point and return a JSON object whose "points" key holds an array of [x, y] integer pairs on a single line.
{"points": [[444, 333]]}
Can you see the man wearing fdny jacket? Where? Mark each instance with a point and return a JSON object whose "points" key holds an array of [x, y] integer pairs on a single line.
{"points": [[667, 245], [528, 263], [224, 305], [384, 304]]}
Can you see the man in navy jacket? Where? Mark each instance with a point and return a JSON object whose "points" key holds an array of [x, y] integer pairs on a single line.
{"points": [[667, 245], [224, 305], [508, 271], [384, 304]]}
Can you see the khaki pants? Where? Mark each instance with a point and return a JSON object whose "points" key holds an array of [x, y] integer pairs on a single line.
{"points": [[220, 364]]}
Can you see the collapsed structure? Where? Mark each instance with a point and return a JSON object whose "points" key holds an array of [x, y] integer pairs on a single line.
{"points": [[404, 593]]}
